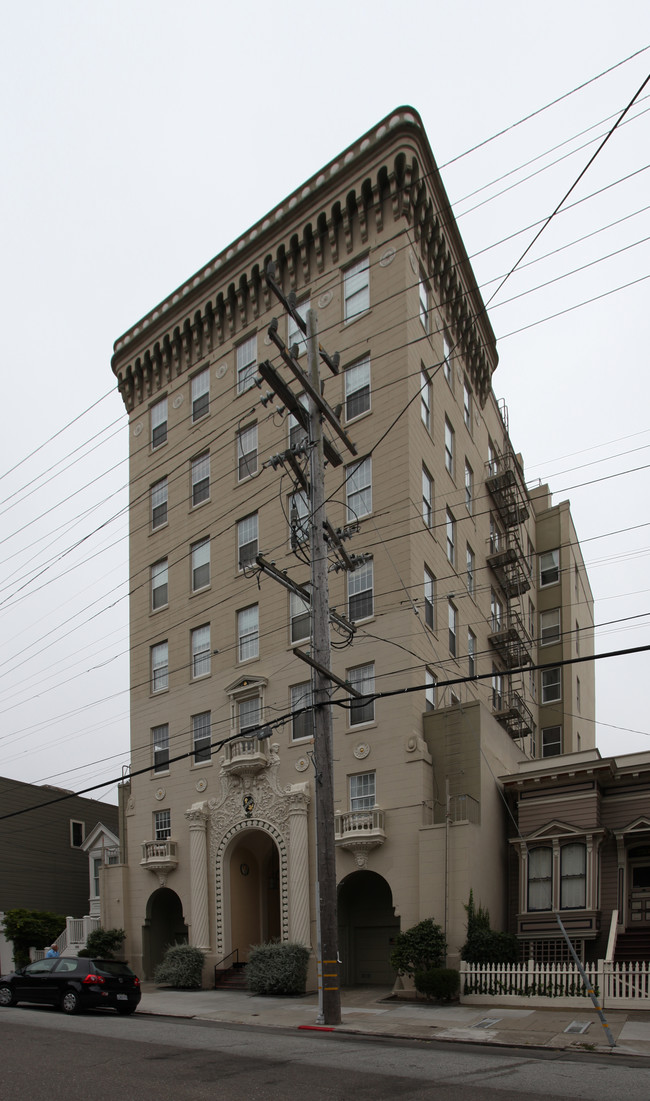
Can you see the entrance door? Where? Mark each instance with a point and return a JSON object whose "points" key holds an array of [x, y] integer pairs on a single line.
{"points": [[638, 865], [254, 891], [367, 930]]}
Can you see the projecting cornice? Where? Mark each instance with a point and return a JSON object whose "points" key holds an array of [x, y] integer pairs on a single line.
{"points": [[390, 172]]}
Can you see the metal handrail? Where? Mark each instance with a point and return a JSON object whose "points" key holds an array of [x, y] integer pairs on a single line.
{"points": [[218, 964]]}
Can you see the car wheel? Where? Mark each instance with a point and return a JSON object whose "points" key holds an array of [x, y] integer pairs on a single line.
{"points": [[70, 1002], [7, 996], [126, 1010]]}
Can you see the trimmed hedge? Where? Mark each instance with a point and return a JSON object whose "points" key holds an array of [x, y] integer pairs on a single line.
{"points": [[104, 943], [277, 968], [442, 983], [182, 967]]}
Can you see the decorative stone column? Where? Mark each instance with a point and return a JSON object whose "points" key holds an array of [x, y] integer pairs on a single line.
{"points": [[197, 816], [298, 885]]}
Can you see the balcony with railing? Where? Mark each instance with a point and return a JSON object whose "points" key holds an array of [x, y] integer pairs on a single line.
{"points": [[505, 485], [359, 831], [246, 756], [513, 712], [510, 566], [160, 857], [511, 640]]}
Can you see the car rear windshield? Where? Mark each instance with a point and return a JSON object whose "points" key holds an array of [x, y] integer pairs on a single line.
{"points": [[112, 967]]}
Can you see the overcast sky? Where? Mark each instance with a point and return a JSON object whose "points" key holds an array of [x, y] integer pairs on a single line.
{"points": [[140, 138]]}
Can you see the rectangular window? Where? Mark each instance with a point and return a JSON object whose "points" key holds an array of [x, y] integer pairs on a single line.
{"points": [[549, 568], [200, 479], [297, 434], [247, 452], [200, 395], [573, 877], [471, 653], [427, 498], [363, 679], [249, 714], [246, 364], [160, 742], [359, 490], [429, 599], [356, 289], [450, 525], [549, 626], [159, 504], [299, 518], [424, 303], [159, 586], [467, 405], [449, 447], [551, 685], [248, 633], [159, 667], [357, 390], [300, 616], [471, 569], [362, 791], [302, 724], [247, 545], [540, 879], [159, 423], [200, 638], [469, 487], [425, 399], [497, 689], [162, 825], [577, 639], [531, 618], [360, 592], [453, 628], [201, 737], [578, 694], [496, 612], [551, 741], [77, 833], [97, 863], [446, 360], [576, 578], [430, 690], [493, 462], [295, 335], [200, 565], [495, 536]]}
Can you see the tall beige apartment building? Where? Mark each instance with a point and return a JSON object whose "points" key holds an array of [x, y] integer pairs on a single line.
{"points": [[466, 573]]}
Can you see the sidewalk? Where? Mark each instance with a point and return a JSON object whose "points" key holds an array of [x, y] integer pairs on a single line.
{"points": [[371, 1011]]}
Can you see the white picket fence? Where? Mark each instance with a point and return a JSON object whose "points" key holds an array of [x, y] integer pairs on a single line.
{"points": [[617, 985]]}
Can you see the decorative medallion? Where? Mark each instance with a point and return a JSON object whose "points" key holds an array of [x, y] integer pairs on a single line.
{"points": [[160, 794], [248, 804], [302, 764], [361, 751], [201, 784], [221, 370], [387, 257], [138, 428], [324, 300], [415, 267], [411, 745], [177, 402]]}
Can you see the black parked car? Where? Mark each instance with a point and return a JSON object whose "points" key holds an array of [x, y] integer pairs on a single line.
{"points": [[73, 983]]}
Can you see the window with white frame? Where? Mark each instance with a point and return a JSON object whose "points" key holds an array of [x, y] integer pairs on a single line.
{"points": [[200, 555], [247, 452], [496, 538], [159, 423], [200, 395], [450, 527], [573, 876], [496, 611], [551, 684], [362, 791], [497, 689], [424, 303], [540, 878], [551, 741], [200, 639], [425, 399], [549, 568], [160, 744], [300, 617], [360, 592], [299, 518], [159, 585], [467, 405], [246, 364], [549, 626], [162, 825], [430, 682], [357, 389], [200, 479], [96, 865], [302, 722], [427, 498], [356, 289], [493, 461], [247, 543], [248, 633], [449, 447], [297, 434], [249, 713], [531, 618], [446, 359], [471, 653], [159, 504], [452, 615], [359, 490], [201, 738], [362, 678], [429, 599], [471, 568], [469, 487], [159, 667], [295, 335]]}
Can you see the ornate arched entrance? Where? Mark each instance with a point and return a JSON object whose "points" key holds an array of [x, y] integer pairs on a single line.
{"points": [[164, 925], [367, 930], [253, 872]]}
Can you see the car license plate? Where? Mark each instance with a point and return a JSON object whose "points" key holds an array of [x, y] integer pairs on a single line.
{"points": [[122, 997]]}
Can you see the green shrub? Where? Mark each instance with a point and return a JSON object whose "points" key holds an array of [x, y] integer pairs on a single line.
{"points": [[31, 929], [182, 966], [419, 949], [104, 943], [483, 944], [277, 968], [442, 983]]}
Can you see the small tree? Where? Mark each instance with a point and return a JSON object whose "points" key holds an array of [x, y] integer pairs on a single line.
{"points": [[31, 929], [419, 949], [483, 944], [104, 943]]}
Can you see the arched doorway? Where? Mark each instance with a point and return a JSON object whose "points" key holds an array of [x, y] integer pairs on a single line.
{"points": [[254, 879], [367, 930], [164, 926]]}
